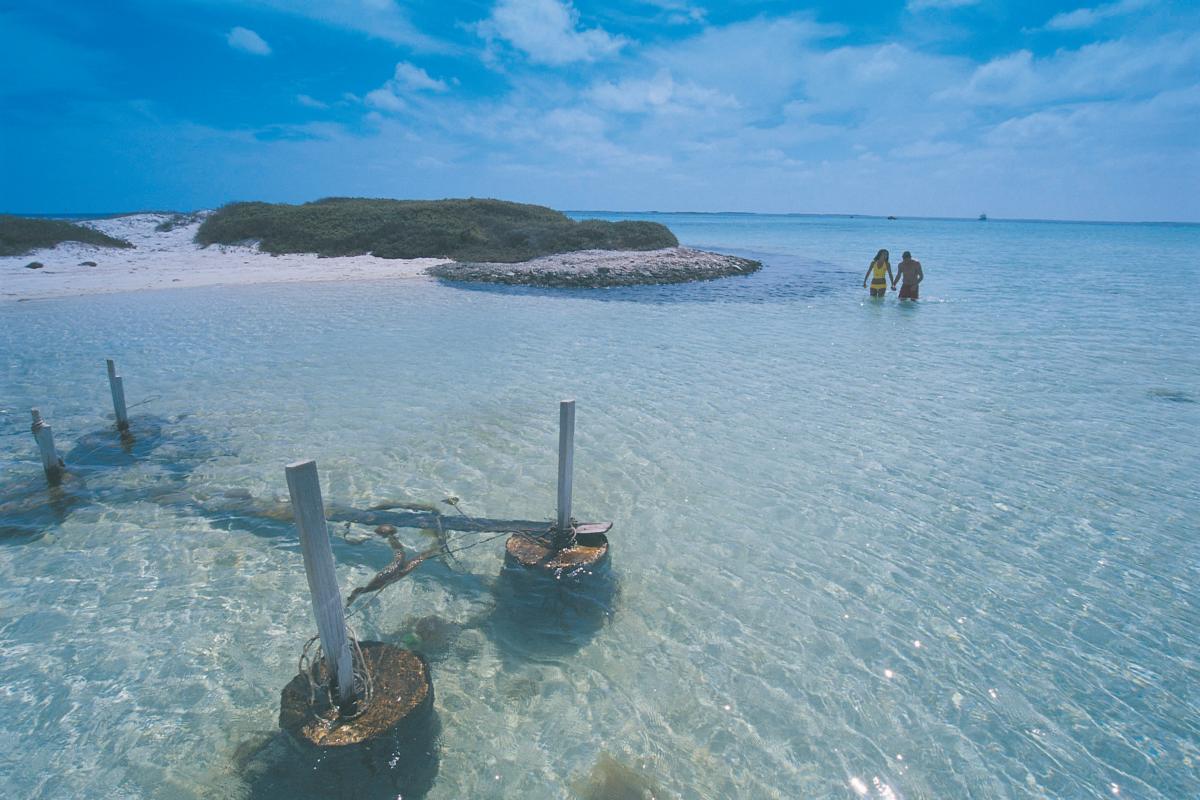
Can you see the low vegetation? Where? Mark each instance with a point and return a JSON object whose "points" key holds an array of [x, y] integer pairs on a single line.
{"points": [[178, 220], [464, 230], [21, 235]]}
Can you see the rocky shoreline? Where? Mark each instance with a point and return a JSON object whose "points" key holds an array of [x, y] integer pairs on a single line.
{"points": [[594, 269]]}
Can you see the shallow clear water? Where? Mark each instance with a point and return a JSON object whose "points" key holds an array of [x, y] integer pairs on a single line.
{"points": [[805, 484]]}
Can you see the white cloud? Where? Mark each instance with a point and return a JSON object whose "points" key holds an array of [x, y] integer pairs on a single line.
{"points": [[1087, 17], [310, 102], [574, 120], [247, 41], [385, 99], [1108, 130], [924, 5], [679, 12], [661, 93], [547, 32], [411, 76], [407, 81], [925, 148], [772, 58], [380, 19], [1008, 79], [1119, 67]]}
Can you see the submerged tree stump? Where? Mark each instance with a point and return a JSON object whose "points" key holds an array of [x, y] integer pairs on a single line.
{"points": [[550, 603], [589, 551], [402, 702]]}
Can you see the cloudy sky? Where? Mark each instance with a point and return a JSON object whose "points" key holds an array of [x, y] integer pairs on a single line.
{"points": [[1033, 109]]}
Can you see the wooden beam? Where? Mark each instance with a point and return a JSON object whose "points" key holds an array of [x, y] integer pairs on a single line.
{"points": [[305, 489], [566, 463], [51, 463], [117, 385]]}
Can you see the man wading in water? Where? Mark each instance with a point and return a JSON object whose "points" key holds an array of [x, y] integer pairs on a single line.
{"points": [[911, 272]]}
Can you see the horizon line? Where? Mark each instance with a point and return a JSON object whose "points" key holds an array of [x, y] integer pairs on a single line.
{"points": [[897, 217], [84, 216]]}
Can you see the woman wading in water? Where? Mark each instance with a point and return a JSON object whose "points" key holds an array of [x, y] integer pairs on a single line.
{"points": [[880, 273]]}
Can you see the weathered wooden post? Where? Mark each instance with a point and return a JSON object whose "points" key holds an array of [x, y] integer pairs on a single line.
{"points": [[117, 384], [51, 463], [557, 587], [564, 535], [396, 695], [571, 547], [304, 486]]}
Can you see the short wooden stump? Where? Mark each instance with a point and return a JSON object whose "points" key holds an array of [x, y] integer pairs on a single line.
{"points": [[590, 551], [402, 702], [551, 603]]}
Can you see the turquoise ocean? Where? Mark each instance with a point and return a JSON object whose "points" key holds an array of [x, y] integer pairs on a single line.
{"points": [[945, 549]]}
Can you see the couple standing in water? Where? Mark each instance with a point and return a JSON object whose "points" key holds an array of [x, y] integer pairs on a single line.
{"points": [[880, 272]]}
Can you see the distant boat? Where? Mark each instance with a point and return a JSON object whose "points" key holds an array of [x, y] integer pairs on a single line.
{"points": [[983, 217], [891, 217]]}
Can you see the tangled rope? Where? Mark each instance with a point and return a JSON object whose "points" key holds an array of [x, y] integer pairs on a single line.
{"points": [[447, 550], [364, 683], [536, 534]]}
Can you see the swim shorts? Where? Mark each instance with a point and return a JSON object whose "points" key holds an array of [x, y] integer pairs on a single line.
{"points": [[908, 291]]}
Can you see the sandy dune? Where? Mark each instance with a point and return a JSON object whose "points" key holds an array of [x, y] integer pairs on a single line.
{"points": [[170, 259]]}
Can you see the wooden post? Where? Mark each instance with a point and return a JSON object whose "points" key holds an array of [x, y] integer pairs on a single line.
{"points": [[117, 384], [563, 536], [305, 489], [51, 463]]}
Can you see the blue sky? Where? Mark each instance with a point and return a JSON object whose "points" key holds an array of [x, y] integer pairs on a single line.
{"points": [[925, 107]]}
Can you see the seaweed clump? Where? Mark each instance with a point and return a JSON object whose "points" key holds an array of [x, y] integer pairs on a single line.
{"points": [[612, 780], [463, 230]]}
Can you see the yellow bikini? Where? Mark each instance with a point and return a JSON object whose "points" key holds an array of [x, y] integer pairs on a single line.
{"points": [[879, 276]]}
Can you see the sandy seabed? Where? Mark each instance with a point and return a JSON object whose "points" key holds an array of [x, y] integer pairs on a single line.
{"points": [[172, 259]]}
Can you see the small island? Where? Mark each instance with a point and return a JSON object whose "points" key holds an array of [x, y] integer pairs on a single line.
{"points": [[488, 241], [470, 240], [460, 230]]}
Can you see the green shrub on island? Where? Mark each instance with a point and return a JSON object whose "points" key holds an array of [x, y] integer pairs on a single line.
{"points": [[177, 220], [21, 235], [464, 230]]}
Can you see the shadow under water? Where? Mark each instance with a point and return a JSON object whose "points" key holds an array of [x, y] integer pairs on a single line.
{"points": [[165, 443], [390, 749], [544, 614], [430, 635], [1171, 395], [30, 506], [401, 765]]}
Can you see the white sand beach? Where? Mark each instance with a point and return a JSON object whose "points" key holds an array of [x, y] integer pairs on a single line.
{"points": [[171, 259]]}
